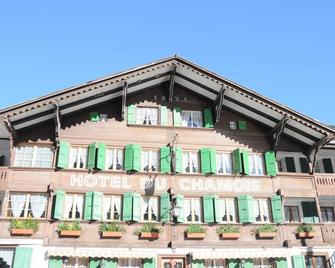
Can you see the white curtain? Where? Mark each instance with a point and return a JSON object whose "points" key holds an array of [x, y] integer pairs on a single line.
{"points": [[228, 164], [38, 204], [110, 159], [194, 158], [129, 263], [6, 254], [223, 207], [231, 206], [186, 166], [265, 209], [197, 208], [256, 209], [152, 116], [73, 157], [106, 205], [153, 160], [252, 164], [68, 205], [117, 204], [259, 164], [83, 157], [118, 161], [186, 119], [80, 203], [17, 203], [145, 160], [197, 119], [154, 206], [145, 206], [187, 208], [219, 164]]}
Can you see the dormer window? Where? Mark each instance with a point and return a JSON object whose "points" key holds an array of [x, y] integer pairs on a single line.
{"points": [[191, 119], [146, 116]]}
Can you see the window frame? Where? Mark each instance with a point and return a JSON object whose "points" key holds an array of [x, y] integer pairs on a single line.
{"points": [[189, 154], [261, 212], [255, 167], [33, 159], [224, 169], [74, 203], [150, 209], [192, 118], [147, 108], [192, 210], [78, 155], [228, 209], [332, 211], [115, 153], [290, 207], [112, 206], [150, 154]]}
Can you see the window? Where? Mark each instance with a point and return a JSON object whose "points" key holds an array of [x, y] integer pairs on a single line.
{"points": [[129, 263], [33, 156], [190, 162], [146, 116], [315, 262], [262, 263], [228, 210], [191, 118], [192, 210], [27, 205], [292, 213], [76, 262], [327, 165], [215, 263], [73, 208], [149, 160], [256, 164], [7, 257], [224, 163], [327, 214], [261, 210], [114, 159], [149, 208], [111, 208], [78, 157]]}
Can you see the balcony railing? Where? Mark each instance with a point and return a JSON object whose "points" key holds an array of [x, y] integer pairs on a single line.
{"points": [[325, 184], [328, 233]]}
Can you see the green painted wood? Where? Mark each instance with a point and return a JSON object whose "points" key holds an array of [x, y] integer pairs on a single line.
{"points": [[137, 207], [180, 202], [88, 206], [248, 263], [177, 116], [245, 209], [55, 262], [94, 263], [245, 162], [59, 205], [111, 263], [131, 114], [164, 115], [205, 161], [198, 263], [94, 116], [127, 208], [270, 163], [208, 119], [242, 125], [217, 209], [277, 209], [179, 159], [97, 206], [165, 207], [281, 263], [149, 263], [165, 159], [208, 206], [299, 261], [132, 157], [237, 161], [309, 212], [63, 154], [92, 149], [233, 263], [137, 157], [22, 258], [101, 156]]}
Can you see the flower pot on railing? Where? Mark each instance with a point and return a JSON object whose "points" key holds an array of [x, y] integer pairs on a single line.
{"points": [[23, 227], [110, 230], [305, 231], [149, 235], [111, 234], [149, 231], [69, 233], [306, 234], [21, 232], [228, 231], [69, 229], [266, 231], [230, 235]]}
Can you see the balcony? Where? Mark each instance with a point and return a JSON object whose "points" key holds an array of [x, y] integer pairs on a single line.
{"points": [[328, 233], [325, 184]]}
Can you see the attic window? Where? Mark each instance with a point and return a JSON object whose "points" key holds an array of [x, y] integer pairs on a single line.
{"points": [[94, 117], [103, 117], [233, 125]]}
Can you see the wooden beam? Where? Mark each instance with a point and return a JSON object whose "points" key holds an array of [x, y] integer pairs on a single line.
{"points": [[57, 117], [124, 99], [277, 132], [10, 127], [171, 87], [219, 102]]}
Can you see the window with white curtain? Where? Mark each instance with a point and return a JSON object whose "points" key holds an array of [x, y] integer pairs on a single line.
{"points": [[7, 256], [192, 210], [146, 116], [77, 262], [33, 156], [190, 162], [129, 263], [149, 207], [114, 159], [78, 157], [224, 163], [74, 206], [214, 263], [256, 164], [111, 208], [191, 118], [149, 160], [27, 205], [228, 210], [261, 210]]}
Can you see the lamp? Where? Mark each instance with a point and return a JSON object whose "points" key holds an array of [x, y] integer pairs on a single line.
{"points": [[176, 209]]}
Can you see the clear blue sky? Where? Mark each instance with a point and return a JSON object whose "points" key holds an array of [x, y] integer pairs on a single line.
{"points": [[285, 50]]}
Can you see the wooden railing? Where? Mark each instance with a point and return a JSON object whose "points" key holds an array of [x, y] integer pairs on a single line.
{"points": [[3, 176], [328, 233], [325, 184]]}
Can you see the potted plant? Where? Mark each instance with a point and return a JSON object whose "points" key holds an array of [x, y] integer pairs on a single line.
{"points": [[148, 231], [305, 231], [195, 231], [266, 231], [228, 232], [69, 229], [111, 230], [23, 227]]}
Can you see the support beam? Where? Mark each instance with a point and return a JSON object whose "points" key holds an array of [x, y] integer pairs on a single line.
{"points": [[219, 102], [10, 127], [57, 117], [171, 87], [277, 132], [124, 99]]}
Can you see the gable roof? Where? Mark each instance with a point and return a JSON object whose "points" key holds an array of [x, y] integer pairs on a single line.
{"points": [[186, 74]]}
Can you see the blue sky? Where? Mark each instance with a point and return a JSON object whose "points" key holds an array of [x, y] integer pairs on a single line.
{"points": [[285, 50]]}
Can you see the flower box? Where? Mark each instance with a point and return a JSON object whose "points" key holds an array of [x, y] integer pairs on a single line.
{"points": [[69, 233], [230, 235], [266, 234], [149, 235], [111, 234], [21, 231], [195, 235], [306, 234]]}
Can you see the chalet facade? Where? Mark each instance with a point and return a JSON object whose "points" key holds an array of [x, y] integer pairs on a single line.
{"points": [[165, 165]]}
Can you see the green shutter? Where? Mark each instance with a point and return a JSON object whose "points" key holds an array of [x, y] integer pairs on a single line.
{"points": [[198, 263], [22, 258], [92, 149], [178, 159], [271, 163], [164, 116], [131, 116], [233, 263], [165, 159], [165, 207], [55, 262], [59, 205], [137, 207], [208, 119], [97, 206], [245, 209], [217, 209], [208, 161], [149, 263], [101, 156], [237, 160], [94, 116], [94, 263], [137, 157], [245, 161], [242, 125], [309, 212], [127, 206], [277, 209], [180, 203], [248, 263], [132, 160], [299, 261], [111, 263], [88, 206], [208, 205], [63, 154], [281, 263], [177, 116]]}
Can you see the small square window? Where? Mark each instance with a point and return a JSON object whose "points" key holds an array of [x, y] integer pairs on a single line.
{"points": [[94, 117], [233, 125], [242, 125], [103, 117]]}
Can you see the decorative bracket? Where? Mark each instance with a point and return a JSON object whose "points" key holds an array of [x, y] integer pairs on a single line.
{"points": [[57, 117], [277, 132], [124, 99], [219, 102], [171, 87], [10, 127]]}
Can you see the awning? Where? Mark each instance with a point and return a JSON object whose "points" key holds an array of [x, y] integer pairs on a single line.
{"points": [[101, 252], [240, 253]]}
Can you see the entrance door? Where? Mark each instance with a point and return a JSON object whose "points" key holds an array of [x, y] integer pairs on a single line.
{"points": [[173, 263]]}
